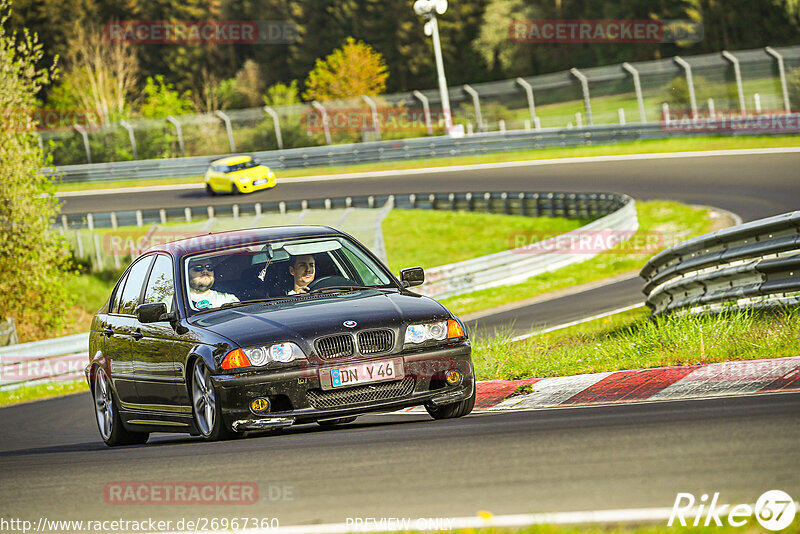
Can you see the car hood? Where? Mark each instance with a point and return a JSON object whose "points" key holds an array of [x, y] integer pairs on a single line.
{"points": [[253, 172], [307, 318]]}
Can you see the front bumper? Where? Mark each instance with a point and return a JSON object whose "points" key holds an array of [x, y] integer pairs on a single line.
{"points": [[296, 395], [248, 187]]}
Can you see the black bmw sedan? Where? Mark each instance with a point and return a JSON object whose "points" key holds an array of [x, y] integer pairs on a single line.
{"points": [[265, 328]]}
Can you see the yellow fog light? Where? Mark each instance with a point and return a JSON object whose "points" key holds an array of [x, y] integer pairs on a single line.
{"points": [[453, 377], [259, 405]]}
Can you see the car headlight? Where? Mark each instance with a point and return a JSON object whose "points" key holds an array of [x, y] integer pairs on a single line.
{"points": [[420, 333], [260, 356]]}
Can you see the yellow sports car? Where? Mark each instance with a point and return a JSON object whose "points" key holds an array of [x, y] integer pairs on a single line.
{"points": [[238, 174]]}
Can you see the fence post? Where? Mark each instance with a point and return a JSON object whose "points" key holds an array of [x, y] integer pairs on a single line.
{"points": [[82, 131], [757, 101], [374, 109], [277, 124], [426, 109], [531, 103], [64, 222], [129, 128], [162, 215], [476, 102], [187, 213], [114, 223], [139, 219], [712, 109], [689, 81], [737, 73], [325, 124], [90, 221], [782, 73], [227, 121], [97, 254], [179, 131], [621, 114], [587, 103], [637, 85], [79, 242]]}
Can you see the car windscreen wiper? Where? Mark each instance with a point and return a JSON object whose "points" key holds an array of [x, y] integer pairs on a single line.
{"points": [[334, 289], [248, 302]]}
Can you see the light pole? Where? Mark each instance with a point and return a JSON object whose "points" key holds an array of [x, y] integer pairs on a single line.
{"points": [[428, 9]]}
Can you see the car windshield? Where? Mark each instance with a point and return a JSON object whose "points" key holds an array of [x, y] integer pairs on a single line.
{"points": [[242, 166], [279, 270]]}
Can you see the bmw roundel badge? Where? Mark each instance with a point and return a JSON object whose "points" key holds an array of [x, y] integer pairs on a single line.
{"points": [[350, 324]]}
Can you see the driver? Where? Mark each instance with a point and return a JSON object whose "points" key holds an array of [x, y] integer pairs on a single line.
{"points": [[201, 278], [302, 268]]}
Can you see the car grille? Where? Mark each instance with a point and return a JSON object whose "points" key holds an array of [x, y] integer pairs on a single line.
{"points": [[335, 346], [375, 341], [361, 394]]}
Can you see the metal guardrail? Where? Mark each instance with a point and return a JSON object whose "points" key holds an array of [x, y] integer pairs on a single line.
{"points": [[60, 358], [519, 264], [752, 265], [398, 150]]}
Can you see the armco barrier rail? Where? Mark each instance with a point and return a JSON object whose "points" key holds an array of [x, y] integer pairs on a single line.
{"points": [[61, 358], [519, 264], [756, 264], [423, 147]]}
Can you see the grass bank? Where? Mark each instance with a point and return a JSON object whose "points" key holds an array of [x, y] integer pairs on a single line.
{"points": [[631, 340], [661, 223], [631, 147]]}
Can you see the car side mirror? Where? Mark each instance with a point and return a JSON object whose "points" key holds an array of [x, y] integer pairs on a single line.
{"points": [[152, 313], [413, 276]]}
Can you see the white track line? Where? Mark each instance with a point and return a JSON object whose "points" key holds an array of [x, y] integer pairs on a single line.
{"points": [[386, 524], [459, 168], [577, 322]]}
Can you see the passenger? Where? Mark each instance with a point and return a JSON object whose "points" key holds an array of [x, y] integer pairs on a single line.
{"points": [[201, 278], [302, 268]]}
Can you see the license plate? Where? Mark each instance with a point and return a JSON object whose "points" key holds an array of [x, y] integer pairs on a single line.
{"points": [[365, 373], [261, 181]]}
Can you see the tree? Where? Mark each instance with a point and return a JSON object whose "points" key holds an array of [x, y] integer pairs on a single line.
{"points": [[101, 78], [351, 71], [34, 260], [161, 99]]}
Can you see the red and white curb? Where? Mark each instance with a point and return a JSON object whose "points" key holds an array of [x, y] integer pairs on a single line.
{"points": [[640, 385]]}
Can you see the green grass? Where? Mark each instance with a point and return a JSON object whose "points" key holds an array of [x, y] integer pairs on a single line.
{"points": [[42, 391], [672, 220], [752, 527], [632, 341], [432, 238], [633, 147]]}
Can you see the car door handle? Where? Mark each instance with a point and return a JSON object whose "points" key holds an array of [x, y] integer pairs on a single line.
{"points": [[137, 335], [108, 332]]}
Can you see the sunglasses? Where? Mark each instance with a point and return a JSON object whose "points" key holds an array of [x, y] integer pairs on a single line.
{"points": [[199, 268]]}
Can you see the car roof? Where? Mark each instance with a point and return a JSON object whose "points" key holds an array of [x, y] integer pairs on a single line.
{"points": [[232, 160], [222, 240]]}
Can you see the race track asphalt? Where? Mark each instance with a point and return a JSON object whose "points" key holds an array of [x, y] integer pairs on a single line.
{"points": [[53, 464]]}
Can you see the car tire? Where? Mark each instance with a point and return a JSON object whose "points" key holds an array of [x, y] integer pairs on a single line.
{"points": [[336, 422], [210, 191], [109, 422], [451, 411], [206, 409]]}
